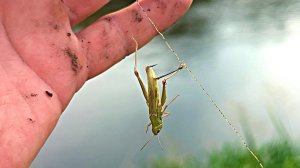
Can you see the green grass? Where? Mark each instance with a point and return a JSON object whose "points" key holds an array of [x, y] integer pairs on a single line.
{"points": [[280, 152], [276, 154]]}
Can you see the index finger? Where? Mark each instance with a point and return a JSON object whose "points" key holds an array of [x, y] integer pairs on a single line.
{"points": [[108, 40]]}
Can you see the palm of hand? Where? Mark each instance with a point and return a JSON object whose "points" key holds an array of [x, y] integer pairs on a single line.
{"points": [[41, 54]]}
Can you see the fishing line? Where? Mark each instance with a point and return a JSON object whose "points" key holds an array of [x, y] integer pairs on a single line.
{"points": [[199, 83]]}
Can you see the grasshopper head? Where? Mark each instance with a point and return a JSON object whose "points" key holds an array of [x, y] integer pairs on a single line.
{"points": [[156, 129]]}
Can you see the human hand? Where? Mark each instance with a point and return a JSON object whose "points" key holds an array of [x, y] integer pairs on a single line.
{"points": [[43, 62]]}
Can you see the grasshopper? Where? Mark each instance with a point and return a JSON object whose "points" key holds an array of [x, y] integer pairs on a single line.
{"points": [[155, 103]]}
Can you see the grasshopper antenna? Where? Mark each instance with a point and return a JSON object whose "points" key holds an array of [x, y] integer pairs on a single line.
{"points": [[159, 143], [181, 66], [152, 65], [147, 142]]}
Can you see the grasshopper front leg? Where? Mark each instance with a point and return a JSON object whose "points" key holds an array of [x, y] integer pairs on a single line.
{"points": [[165, 114], [145, 93], [147, 128], [164, 96], [164, 82]]}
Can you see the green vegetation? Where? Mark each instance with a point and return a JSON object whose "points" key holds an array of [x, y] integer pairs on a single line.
{"points": [[281, 152], [278, 154]]}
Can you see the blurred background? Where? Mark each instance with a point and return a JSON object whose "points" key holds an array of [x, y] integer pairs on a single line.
{"points": [[246, 54]]}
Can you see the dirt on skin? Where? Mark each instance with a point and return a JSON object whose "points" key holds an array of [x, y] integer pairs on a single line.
{"points": [[48, 93], [74, 60]]}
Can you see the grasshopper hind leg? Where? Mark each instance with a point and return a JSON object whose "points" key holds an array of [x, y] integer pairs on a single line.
{"points": [[144, 90]]}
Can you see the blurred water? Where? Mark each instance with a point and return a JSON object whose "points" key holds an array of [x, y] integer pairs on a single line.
{"points": [[246, 54]]}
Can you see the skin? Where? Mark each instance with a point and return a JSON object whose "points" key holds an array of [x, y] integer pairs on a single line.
{"points": [[43, 63]]}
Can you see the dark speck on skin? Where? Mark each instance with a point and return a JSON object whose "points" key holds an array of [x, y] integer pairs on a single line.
{"points": [[31, 120], [108, 19], [33, 94], [56, 27], [48, 93], [69, 34], [137, 16], [161, 5], [74, 60], [175, 5]]}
